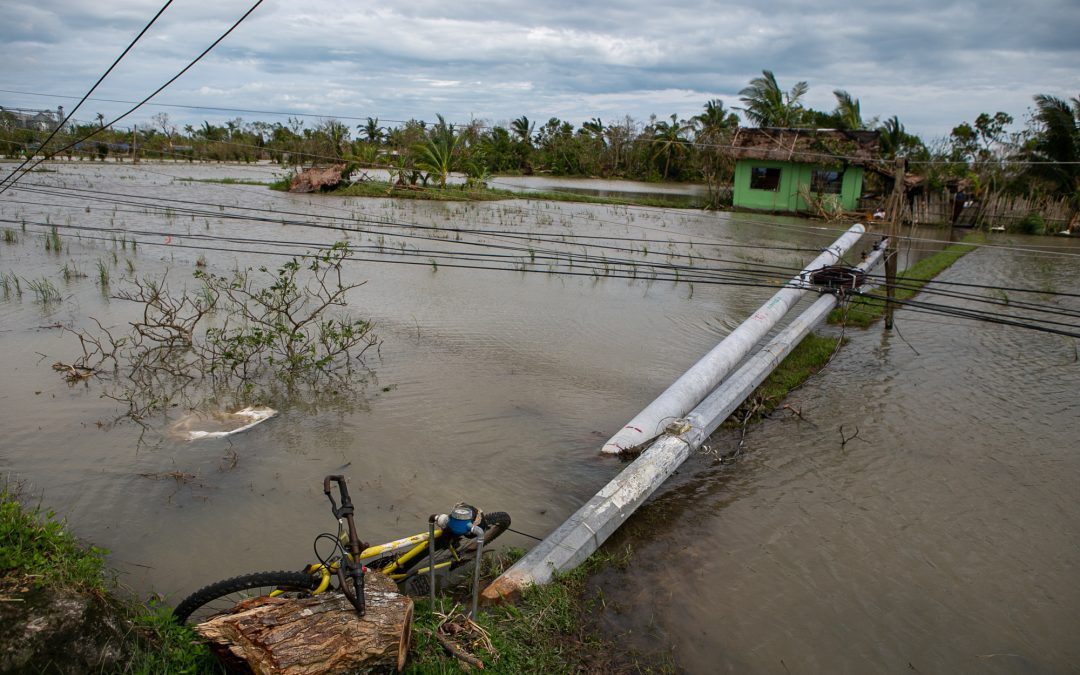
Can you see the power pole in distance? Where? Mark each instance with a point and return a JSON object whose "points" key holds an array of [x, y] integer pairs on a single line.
{"points": [[896, 213]]}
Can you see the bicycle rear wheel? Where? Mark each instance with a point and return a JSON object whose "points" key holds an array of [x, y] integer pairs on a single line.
{"points": [[222, 596]]}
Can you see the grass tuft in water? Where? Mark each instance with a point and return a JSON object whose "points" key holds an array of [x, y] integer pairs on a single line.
{"points": [[10, 285], [103, 274], [43, 290]]}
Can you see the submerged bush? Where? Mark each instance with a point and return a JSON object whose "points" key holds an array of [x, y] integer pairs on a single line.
{"points": [[1032, 223]]}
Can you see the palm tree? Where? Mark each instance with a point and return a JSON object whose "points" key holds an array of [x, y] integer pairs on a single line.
{"points": [[436, 156], [1057, 144], [594, 128], [715, 118], [670, 141], [372, 131], [848, 114], [524, 129], [769, 106]]}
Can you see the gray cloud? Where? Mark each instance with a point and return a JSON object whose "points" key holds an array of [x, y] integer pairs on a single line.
{"points": [[934, 64]]}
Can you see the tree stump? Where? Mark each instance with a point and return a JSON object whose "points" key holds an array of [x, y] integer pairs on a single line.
{"points": [[317, 178], [318, 634]]}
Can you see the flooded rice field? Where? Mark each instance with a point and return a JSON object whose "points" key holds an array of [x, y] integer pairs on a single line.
{"points": [[945, 535]]}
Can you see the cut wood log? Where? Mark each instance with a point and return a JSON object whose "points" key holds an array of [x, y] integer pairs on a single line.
{"points": [[318, 634]]}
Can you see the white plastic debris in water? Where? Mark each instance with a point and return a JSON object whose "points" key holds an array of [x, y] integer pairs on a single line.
{"points": [[221, 424]]}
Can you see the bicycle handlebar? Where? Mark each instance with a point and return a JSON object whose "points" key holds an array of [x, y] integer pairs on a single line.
{"points": [[351, 564]]}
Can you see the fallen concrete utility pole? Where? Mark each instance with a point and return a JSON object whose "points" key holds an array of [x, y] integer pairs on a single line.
{"points": [[706, 374], [576, 539]]}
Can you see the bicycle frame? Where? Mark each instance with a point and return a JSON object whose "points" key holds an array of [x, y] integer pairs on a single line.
{"points": [[413, 547]]}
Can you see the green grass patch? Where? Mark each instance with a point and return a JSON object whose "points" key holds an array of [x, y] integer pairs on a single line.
{"points": [[36, 551], [862, 312], [814, 352], [808, 357], [544, 632]]}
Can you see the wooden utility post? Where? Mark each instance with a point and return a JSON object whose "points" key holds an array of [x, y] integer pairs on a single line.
{"points": [[135, 144], [896, 213]]}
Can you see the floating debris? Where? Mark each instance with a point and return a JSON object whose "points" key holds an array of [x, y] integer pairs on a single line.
{"points": [[221, 424]]}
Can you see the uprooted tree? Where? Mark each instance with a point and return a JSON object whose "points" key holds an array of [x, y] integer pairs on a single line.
{"points": [[250, 331]]}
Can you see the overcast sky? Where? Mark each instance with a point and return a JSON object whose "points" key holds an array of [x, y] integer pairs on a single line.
{"points": [[934, 63]]}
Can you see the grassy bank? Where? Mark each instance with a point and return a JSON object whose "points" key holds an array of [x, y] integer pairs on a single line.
{"points": [[456, 193], [549, 630], [226, 181], [808, 357], [40, 559], [546, 631], [862, 312]]}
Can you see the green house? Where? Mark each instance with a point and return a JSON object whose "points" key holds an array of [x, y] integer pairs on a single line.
{"points": [[801, 170]]}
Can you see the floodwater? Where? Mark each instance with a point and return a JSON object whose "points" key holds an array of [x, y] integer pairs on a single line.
{"points": [[496, 387], [945, 535]]}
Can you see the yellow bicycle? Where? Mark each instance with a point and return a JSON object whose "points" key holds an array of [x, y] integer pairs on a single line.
{"points": [[420, 564]]}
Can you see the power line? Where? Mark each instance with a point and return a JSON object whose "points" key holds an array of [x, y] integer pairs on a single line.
{"points": [[638, 139], [189, 66], [557, 238], [690, 273], [506, 234], [87, 94], [590, 264]]}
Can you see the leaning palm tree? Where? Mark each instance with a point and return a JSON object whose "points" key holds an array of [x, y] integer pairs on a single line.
{"points": [[847, 112], [524, 129], [436, 156], [1056, 147], [769, 106], [594, 128]]}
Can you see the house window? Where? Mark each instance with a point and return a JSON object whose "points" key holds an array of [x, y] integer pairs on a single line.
{"points": [[764, 178], [826, 181]]}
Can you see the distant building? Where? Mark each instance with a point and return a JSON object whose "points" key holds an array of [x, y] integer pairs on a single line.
{"points": [[25, 118], [787, 169]]}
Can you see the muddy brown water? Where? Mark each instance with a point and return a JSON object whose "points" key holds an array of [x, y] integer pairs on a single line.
{"points": [[944, 538], [945, 535]]}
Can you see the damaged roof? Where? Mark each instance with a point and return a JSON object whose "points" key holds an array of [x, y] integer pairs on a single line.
{"points": [[807, 146]]}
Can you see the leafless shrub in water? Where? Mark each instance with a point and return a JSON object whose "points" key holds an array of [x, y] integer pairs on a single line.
{"points": [[248, 332]]}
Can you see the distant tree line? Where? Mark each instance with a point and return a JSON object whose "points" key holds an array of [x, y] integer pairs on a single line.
{"points": [[1041, 158]]}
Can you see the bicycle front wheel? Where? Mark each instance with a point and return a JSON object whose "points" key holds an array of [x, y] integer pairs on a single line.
{"points": [[220, 597]]}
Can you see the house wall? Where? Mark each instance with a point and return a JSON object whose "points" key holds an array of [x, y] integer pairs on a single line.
{"points": [[786, 196]]}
